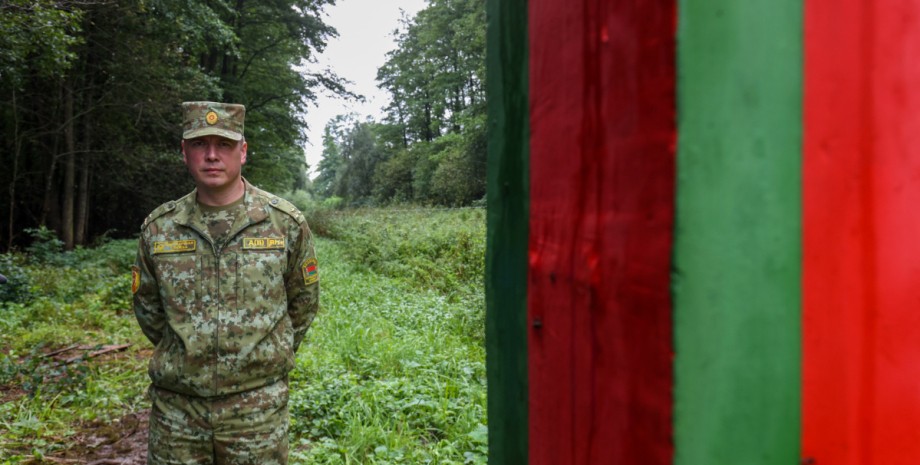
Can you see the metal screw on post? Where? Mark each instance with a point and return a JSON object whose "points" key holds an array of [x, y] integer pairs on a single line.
{"points": [[2, 279]]}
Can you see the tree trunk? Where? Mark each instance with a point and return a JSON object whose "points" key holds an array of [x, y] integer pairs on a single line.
{"points": [[50, 203], [69, 171], [80, 230], [50, 198], [17, 144], [83, 196]]}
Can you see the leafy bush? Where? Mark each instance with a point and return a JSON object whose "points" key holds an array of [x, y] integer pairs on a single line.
{"points": [[17, 287], [334, 203], [45, 247], [301, 199]]}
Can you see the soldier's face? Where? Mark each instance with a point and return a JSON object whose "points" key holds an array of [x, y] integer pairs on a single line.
{"points": [[214, 162]]}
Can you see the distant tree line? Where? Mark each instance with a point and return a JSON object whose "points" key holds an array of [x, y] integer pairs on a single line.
{"points": [[431, 146], [90, 91]]}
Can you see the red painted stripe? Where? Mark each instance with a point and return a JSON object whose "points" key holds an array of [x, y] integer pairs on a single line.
{"points": [[602, 192], [861, 392]]}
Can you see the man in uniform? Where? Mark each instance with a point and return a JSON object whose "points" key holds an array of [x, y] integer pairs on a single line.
{"points": [[225, 286]]}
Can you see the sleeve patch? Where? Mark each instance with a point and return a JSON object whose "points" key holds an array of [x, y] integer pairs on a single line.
{"points": [[310, 273], [135, 279]]}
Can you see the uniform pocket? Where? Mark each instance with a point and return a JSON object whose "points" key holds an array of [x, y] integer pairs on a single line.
{"points": [[260, 282], [178, 276]]}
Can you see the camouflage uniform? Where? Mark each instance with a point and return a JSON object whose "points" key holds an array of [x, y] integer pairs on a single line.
{"points": [[226, 315]]}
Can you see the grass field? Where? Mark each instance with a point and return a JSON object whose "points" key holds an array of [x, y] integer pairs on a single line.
{"points": [[392, 371]]}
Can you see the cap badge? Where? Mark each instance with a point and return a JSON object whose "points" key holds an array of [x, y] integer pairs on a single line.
{"points": [[211, 117]]}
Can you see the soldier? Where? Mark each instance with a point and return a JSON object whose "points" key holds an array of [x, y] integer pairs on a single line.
{"points": [[225, 286]]}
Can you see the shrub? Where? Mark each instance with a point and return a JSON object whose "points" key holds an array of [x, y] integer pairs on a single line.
{"points": [[18, 283], [45, 247]]}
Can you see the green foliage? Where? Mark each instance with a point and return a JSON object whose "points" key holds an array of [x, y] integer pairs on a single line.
{"points": [[396, 368], [45, 247], [442, 250], [17, 287], [39, 36], [334, 203], [430, 149]]}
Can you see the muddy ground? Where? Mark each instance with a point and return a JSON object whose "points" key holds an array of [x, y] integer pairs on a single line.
{"points": [[123, 442]]}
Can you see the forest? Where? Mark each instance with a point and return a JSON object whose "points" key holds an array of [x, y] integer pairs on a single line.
{"points": [[90, 121]]}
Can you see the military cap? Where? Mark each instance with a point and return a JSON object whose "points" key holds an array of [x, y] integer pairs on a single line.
{"points": [[212, 118]]}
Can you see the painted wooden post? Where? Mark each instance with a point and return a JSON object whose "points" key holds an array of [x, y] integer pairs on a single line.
{"points": [[601, 215], [506, 257], [736, 278], [862, 255]]}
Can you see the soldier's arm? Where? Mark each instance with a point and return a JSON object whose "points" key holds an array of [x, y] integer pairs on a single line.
{"points": [[147, 305], [302, 284]]}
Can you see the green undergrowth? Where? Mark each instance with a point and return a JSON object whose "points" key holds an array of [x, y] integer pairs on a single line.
{"points": [[392, 371], [80, 301], [440, 249]]}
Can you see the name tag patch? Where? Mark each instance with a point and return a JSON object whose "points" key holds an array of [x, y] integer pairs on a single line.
{"points": [[263, 243], [175, 246]]}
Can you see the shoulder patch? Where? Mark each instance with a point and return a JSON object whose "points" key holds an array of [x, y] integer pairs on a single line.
{"points": [[310, 273], [135, 279]]}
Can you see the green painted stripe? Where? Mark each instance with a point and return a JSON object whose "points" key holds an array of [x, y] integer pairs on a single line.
{"points": [[736, 278], [506, 256]]}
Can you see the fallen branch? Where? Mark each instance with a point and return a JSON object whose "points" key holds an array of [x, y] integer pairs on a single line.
{"points": [[49, 458], [61, 351], [102, 351]]}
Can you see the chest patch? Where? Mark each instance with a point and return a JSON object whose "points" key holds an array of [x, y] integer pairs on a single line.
{"points": [[263, 243], [174, 246]]}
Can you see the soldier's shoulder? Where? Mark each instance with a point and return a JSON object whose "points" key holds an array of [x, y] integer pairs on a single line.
{"points": [[281, 204], [164, 209]]}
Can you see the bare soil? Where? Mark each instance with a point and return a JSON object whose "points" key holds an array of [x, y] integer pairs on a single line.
{"points": [[122, 442]]}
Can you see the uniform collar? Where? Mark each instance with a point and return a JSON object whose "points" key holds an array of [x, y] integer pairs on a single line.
{"points": [[188, 213]]}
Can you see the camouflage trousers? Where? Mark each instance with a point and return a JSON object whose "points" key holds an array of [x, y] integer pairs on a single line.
{"points": [[245, 428]]}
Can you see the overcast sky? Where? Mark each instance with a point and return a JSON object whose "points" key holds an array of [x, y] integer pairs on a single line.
{"points": [[365, 36]]}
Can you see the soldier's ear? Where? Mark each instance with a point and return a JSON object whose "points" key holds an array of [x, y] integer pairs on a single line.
{"points": [[243, 156], [184, 157]]}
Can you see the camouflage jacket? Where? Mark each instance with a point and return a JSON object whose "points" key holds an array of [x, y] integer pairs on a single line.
{"points": [[224, 317]]}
